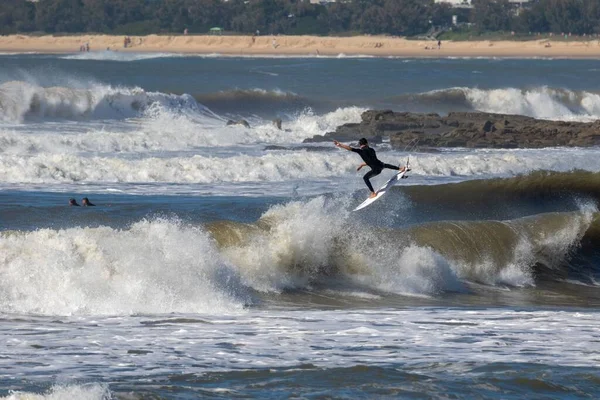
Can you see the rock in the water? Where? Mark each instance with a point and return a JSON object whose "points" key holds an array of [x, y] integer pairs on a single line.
{"points": [[465, 129]]}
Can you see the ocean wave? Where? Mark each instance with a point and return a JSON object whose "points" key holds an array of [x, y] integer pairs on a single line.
{"points": [[162, 265], [20, 101], [252, 101], [157, 266], [109, 55], [532, 186], [70, 168], [315, 242], [538, 102], [277, 166], [163, 129], [90, 391], [156, 121]]}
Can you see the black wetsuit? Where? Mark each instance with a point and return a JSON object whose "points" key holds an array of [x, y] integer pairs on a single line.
{"points": [[370, 158]]}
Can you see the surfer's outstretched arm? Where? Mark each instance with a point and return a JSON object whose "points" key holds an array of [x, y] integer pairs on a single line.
{"points": [[360, 166], [342, 145]]}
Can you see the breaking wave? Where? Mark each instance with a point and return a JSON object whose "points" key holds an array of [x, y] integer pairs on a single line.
{"points": [[258, 101], [533, 186], [163, 265], [21, 101], [315, 243], [538, 102], [24, 165], [90, 391], [157, 266]]}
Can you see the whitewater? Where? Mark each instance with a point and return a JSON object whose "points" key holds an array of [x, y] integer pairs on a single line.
{"points": [[222, 259]]}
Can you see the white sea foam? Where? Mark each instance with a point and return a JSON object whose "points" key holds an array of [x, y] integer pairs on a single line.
{"points": [[307, 124], [109, 55], [277, 166], [64, 392], [540, 102], [20, 100], [431, 340], [207, 129], [157, 266], [298, 247], [306, 241], [59, 168], [161, 266]]}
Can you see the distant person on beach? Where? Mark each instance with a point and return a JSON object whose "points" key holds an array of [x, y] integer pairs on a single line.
{"points": [[439, 44], [370, 159], [72, 202], [86, 202]]}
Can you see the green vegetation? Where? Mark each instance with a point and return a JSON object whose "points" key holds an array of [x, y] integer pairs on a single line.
{"points": [[487, 19]]}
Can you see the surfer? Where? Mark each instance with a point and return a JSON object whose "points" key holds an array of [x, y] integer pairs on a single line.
{"points": [[86, 202], [370, 159], [73, 202]]}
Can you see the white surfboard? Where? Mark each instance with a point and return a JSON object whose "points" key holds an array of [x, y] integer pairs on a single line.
{"points": [[393, 180]]}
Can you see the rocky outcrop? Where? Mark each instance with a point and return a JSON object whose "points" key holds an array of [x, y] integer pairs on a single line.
{"points": [[465, 129]]}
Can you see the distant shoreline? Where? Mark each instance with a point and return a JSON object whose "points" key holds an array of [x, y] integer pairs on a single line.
{"points": [[377, 46]]}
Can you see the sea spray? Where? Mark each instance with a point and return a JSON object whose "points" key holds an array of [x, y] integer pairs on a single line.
{"points": [[89, 391], [155, 266], [542, 102], [318, 242], [21, 101]]}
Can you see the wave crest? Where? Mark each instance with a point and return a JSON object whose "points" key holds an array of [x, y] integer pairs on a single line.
{"points": [[538, 102], [318, 243], [20, 101]]}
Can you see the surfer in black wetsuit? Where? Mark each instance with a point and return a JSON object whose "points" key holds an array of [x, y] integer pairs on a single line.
{"points": [[370, 159], [86, 202]]}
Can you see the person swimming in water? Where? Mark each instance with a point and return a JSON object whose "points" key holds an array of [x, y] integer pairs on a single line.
{"points": [[86, 202], [73, 202], [370, 159]]}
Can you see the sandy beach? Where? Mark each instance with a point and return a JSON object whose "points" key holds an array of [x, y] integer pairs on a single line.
{"points": [[380, 46]]}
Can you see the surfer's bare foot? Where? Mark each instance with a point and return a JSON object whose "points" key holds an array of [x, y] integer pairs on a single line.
{"points": [[373, 194]]}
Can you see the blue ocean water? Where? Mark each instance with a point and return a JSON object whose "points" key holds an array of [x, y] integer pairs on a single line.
{"points": [[224, 261]]}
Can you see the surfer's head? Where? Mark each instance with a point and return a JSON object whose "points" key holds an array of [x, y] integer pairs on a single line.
{"points": [[363, 142]]}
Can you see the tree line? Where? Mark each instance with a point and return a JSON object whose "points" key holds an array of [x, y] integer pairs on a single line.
{"points": [[293, 17]]}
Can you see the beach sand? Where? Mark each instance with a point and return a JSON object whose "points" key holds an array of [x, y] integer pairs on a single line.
{"points": [[380, 46]]}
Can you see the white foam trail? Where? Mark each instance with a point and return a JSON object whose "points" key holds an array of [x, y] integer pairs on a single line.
{"points": [[163, 122], [438, 340], [109, 55], [279, 166], [92, 391], [153, 267], [59, 168], [490, 163]]}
